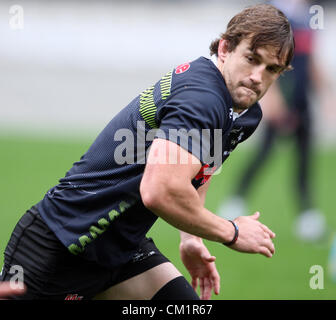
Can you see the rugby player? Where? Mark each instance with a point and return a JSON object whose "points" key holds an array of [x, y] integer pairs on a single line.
{"points": [[86, 239], [288, 113]]}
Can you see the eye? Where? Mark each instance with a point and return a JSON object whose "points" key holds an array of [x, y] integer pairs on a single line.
{"points": [[250, 59], [272, 69]]}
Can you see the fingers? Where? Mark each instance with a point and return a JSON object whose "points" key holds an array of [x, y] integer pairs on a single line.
{"points": [[215, 282], [254, 236], [209, 283], [256, 215], [268, 231], [266, 252], [267, 248], [208, 258], [204, 289], [216, 287]]}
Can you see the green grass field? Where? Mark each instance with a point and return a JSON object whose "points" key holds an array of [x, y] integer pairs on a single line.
{"points": [[29, 167]]}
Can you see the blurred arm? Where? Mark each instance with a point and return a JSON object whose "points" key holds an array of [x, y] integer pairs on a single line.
{"points": [[322, 85], [273, 105]]}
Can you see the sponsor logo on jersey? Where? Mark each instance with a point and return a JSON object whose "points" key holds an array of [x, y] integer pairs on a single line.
{"points": [[182, 68], [73, 296], [96, 230]]}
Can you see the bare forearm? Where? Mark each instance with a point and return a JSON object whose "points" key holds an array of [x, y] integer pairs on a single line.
{"points": [[202, 192], [182, 207], [166, 190]]}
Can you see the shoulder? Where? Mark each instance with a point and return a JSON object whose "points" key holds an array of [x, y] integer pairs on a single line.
{"points": [[201, 71], [201, 81], [198, 65]]}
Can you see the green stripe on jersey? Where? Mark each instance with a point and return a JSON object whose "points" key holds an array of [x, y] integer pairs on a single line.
{"points": [[165, 85], [147, 107]]}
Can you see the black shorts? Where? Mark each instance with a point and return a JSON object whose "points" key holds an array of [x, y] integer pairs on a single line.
{"points": [[50, 271]]}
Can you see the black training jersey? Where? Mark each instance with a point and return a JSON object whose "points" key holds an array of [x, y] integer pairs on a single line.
{"points": [[96, 209]]}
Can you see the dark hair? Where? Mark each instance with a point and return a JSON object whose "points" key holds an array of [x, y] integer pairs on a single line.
{"points": [[264, 25]]}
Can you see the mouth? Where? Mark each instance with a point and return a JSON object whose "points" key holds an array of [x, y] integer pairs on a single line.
{"points": [[250, 91]]}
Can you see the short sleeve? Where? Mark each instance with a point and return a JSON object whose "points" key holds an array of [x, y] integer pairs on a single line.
{"points": [[193, 119]]}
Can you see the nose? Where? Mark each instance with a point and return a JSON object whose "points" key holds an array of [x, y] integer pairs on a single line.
{"points": [[256, 75]]}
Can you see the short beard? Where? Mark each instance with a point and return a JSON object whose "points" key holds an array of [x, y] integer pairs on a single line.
{"points": [[241, 107]]}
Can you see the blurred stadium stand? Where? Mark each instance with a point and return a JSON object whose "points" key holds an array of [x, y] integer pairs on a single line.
{"points": [[77, 63]]}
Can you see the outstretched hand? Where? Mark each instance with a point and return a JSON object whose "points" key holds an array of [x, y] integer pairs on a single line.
{"points": [[254, 237], [201, 266]]}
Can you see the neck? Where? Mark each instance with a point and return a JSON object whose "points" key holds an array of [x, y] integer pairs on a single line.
{"points": [[238, 110], [219, 64]]}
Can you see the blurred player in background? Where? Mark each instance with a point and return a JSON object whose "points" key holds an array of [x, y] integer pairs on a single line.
{"points": [[87, 238], [287, 113]]}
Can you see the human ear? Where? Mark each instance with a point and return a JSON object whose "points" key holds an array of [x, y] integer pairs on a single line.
{"points": [[223, 50]]}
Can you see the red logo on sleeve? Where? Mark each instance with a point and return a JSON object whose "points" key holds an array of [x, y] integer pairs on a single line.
{"points": [[182, 68], [205, 173]]}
